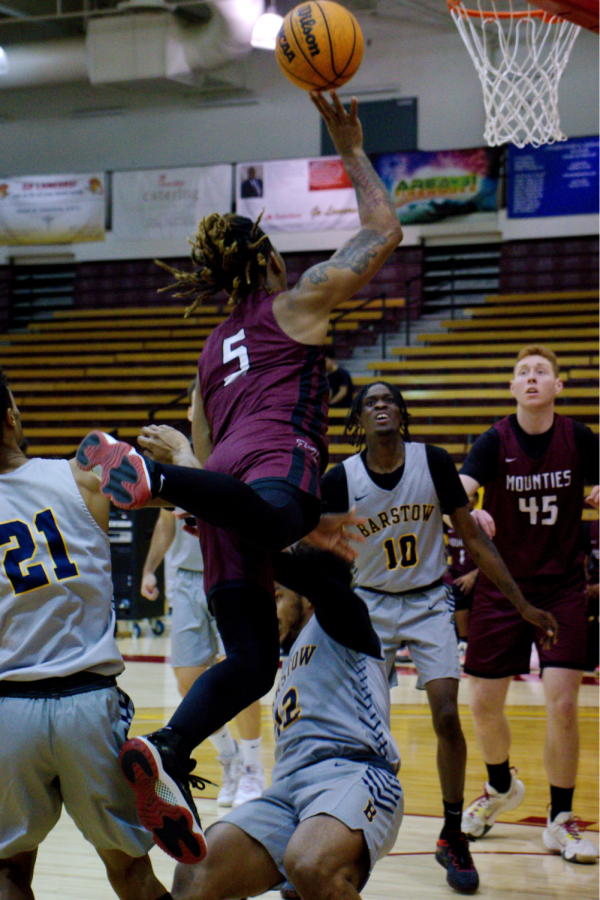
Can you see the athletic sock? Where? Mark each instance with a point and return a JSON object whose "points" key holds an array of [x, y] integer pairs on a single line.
{"points": [[251, 752], [452, 816], [499, 777], [224, 743], [561, 800]]}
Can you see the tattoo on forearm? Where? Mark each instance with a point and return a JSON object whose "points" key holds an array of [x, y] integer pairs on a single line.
{"points": [[356, 255], [370, 190]]}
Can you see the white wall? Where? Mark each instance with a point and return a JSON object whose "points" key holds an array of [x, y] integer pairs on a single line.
{"points": [[413, 62]]}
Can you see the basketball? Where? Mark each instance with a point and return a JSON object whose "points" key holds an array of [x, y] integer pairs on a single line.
{"points": [[319, 45]]}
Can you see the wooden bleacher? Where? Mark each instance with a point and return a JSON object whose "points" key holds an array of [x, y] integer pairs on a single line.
{"points": [[107, 368], [455, 382]]}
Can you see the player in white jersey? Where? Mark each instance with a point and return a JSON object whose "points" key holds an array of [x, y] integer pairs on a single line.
{"points": [[196, 643], [62, 717], [335, 805], [402, 490]]}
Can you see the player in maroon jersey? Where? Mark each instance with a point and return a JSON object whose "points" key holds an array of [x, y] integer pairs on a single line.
{"points": [[590, 562], [533, 465], [259, 431], [460, 577]]}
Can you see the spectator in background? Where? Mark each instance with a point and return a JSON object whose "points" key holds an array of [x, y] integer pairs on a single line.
{"points": [[340, 381]]}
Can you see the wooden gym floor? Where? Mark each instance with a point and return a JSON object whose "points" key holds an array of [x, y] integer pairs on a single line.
{"points": [[512, 861]]}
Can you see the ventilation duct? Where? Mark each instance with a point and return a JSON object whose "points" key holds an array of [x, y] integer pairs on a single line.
{"points": [[138, 45]]}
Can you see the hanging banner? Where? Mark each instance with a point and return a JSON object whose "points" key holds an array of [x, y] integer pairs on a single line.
{"points": [[52, 209], [430, 187], [167, 202], [554, 180], [297, 195], [317, 195]]}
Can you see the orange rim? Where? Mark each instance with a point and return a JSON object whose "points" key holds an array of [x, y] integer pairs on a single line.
{"points": [[456, 6]]}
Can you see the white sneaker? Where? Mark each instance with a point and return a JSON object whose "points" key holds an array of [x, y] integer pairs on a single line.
{"points": [[563, 836], [250, 786], [232, 769], [479, 817]]}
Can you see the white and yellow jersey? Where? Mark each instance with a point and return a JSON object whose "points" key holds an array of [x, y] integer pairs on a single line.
{"points": [[404, 544], [56, 612]]}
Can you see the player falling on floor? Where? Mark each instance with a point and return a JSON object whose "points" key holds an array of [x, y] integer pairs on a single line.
{"points": [[259, 431]]}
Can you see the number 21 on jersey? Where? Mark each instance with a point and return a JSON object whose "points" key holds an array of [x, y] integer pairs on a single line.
{"points": [[21, 571]]}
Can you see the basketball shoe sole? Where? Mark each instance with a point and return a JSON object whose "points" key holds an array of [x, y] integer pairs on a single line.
{"points": [[162, 806], [125, 478]]}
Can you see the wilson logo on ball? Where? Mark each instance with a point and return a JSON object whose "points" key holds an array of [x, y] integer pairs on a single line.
{"points": [[319, 45]]}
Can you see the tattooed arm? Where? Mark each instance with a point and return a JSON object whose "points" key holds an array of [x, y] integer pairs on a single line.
{"points": [[488, 560], [303, 312]]}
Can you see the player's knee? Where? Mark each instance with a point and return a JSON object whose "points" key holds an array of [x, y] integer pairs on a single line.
{"points": [[563, 710], [316, 879]]}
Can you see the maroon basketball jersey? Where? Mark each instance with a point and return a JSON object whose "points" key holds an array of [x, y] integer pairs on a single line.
{"points": [[536, 504], [593, 551], [459, 561], [265, 397]]}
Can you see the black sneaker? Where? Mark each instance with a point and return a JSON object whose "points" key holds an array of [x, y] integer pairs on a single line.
{"points": [[452, 852], [288, 892], [164, 800]]}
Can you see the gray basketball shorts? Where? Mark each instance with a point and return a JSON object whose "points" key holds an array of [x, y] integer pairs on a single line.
{"points": [[362, 797], [65, 751], [425, 621], [195, 640]]}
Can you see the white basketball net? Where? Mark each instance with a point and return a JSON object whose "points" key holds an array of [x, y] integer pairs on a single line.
{"points": [[520, 54]]}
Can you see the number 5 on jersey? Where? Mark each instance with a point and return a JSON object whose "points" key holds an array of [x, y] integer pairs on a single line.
{"points": [[230, 353]]}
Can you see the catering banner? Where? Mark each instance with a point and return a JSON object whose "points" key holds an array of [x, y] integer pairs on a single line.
{"points": [[317, 195], [166, 202], [430, 187], [554, 180], [52, 209]]}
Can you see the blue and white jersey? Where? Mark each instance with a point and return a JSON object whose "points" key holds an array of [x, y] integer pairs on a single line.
{"points": [[56, 613], [331, 702]]}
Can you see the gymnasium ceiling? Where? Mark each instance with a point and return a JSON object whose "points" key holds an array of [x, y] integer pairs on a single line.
{"points": [[39, 26]]}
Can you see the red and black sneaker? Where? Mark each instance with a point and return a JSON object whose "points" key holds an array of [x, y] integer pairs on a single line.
{"points": [[452, 852], [126, 475], [164, 800]]}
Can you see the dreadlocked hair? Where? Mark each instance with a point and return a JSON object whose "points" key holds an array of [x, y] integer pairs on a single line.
{"points": [[352, 426], [229, 253]]}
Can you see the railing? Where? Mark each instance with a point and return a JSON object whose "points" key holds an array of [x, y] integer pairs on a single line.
{"points": [[346, 312]]}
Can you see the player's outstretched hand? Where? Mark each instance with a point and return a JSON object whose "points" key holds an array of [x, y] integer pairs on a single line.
{"points": [[485, 522], [545, 621], [593, 497], [166, 445], [335, 533], [189, 522], [343, 126]]}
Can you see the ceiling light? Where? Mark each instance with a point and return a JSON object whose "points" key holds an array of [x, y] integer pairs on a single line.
{"points": [[264, 34], [3, 63]]}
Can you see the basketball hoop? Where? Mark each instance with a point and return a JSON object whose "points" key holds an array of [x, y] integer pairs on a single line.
{"points": [[520, 55]]}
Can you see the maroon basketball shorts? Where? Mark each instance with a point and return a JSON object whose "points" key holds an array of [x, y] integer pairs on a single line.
{"points": [[500, 640]]}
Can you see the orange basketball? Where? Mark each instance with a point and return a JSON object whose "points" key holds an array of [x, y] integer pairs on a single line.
{"points": [[319, 45]]}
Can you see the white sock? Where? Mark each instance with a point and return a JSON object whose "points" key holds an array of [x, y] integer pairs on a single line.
{"points": [[223, 742], [251, 752]]}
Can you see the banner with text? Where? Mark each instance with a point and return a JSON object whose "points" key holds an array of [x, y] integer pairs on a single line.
{"points": [[317, 195], [297, 195], [554, 180], [52, 209], [430, 187], [167, 202]]}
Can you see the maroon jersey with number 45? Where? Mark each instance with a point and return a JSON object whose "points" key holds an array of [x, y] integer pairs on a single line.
{"points": [[536, 504], [265, 398]]}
